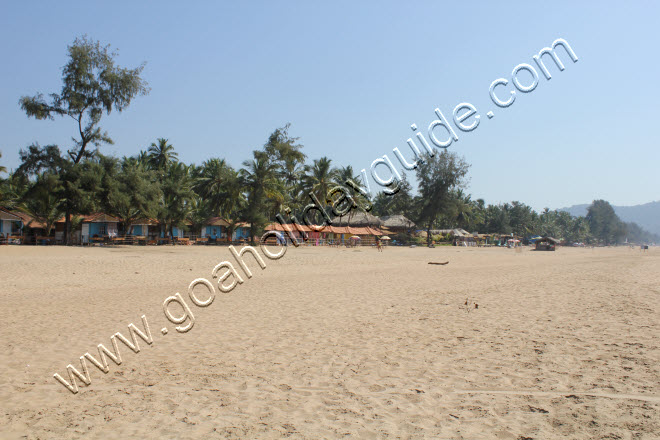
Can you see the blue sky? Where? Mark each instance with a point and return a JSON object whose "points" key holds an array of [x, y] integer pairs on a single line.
{"points": [[352, 77]]}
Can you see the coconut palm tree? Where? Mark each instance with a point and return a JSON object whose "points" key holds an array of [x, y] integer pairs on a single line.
{"points": [[177, 192], [235, 201], [198, 213], [211, 183], [42, 203], [466, 211], [2, 169], [320, 177], [161, 154], [260, 180], [347, 173]]}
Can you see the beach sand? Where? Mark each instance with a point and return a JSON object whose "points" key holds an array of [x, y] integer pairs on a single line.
{"points": [[336, 343]]}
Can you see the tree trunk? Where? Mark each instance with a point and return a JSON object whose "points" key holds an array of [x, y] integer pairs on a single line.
{"points": [[67, 226], [428, 234]]}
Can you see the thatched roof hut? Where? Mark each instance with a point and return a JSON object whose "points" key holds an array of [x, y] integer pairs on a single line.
{"points": [[457, 232], [358, 219], [546, 244], [398, 223]]}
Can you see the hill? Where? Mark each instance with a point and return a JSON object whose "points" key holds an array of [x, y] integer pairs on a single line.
{"points": [[647, 215]]}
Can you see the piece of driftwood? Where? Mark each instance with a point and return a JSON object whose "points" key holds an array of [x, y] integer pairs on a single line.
{"points": [[440, 264]]}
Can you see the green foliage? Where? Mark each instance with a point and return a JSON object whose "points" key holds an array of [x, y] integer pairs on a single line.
{"points": [[160, 155], [437, 177], [154, 183], [2, 168], [604, 224], [262, 186], [319, 178], [92, 85], [42, 202], [402, 202]]}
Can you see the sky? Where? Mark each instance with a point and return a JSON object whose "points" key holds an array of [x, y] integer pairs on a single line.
{"points": [[351, 78]]}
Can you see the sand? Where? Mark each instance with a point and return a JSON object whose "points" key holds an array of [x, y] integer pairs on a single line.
{"points": [[336, 343]]}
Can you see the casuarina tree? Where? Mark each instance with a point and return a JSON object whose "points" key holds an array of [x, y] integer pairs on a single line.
{"points": [[92, 85]]}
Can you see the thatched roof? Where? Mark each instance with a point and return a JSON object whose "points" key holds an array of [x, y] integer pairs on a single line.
{"points": [[357, 218], [458, 232], [398, 221]]}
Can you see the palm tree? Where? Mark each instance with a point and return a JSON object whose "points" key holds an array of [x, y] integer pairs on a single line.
{"points": [[347, 173], [234, 202], [161, 154], [2, 169], [320, 177], [466, 211], [42, 203], [198, 213], [211, 183], [176, 195], [261, 183], [12, 190]]}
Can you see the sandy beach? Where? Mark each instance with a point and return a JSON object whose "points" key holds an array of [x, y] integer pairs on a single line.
{"points": [[336, 343]]}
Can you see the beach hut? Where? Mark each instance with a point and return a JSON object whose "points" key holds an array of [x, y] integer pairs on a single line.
{"points": [[33, 231], [11, 226], [242, 232], [357, 219], [546, 244], [94, 227], [143, 230], [398, 224], [144, 227], [215, 229], [97, 226]]}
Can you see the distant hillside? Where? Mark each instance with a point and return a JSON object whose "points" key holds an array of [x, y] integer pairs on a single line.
{"points": [[647, 215]]}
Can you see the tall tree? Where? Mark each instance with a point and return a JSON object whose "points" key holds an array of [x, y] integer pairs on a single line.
{"points": [[128, 191], [259, 177], [78, 182], [604, 224], [41, 200], [465, 212], [161, 154], [92, 85], [213, 183], [284, 150], [437, 176], [177, 193], [320, 177]]}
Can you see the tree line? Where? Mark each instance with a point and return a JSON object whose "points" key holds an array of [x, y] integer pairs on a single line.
{"points": [[50, 183]]}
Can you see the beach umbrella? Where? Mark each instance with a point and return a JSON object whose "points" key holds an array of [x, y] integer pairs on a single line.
{"points": [[355, 237], [385, 237]]}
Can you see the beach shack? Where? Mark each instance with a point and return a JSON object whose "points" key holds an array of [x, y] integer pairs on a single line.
{"points": [[177, 232], [33, 231], [11, 226], [546, 244], [97, 226], [242, 232], [143, 231], [398, 224], [215, 229], [144, 227]]}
